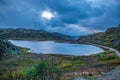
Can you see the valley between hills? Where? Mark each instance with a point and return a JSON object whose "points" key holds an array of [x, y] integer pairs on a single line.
{"points": [[16, 63]]}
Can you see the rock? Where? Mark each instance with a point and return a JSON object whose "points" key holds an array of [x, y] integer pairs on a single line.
{"points": [[79, 79], [112, 75], [7, 47]]}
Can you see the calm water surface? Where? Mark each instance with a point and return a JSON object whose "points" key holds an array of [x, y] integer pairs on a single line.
{"points": [[51, 47]]}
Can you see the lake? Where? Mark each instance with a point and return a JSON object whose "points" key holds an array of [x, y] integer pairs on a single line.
{"points": [[51, 47]]}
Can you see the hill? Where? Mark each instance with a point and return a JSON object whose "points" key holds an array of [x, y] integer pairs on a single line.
{"points": [[30, 34], [111, 38]]}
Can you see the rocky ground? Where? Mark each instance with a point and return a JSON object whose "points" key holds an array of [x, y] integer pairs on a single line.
{"points": [[112, 75]]}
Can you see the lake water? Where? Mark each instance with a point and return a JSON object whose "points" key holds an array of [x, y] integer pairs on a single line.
{"points": [[51, 47]]}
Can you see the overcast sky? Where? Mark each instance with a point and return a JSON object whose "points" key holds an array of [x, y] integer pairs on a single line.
{"points": [[72, 17]]}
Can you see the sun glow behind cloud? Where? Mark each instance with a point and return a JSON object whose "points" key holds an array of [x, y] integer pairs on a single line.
{"points": [[47, 15]]}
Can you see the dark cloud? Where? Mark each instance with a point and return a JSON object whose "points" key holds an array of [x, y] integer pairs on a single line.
{"points": [[70, 11], [111, 16], [83, 15]]}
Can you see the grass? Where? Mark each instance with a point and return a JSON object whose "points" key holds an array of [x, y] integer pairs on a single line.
{"points": [[97, 63], [23, 64]]}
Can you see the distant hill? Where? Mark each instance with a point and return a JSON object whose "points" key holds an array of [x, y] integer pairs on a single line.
{"points": [[111, 38], [30, 34]]}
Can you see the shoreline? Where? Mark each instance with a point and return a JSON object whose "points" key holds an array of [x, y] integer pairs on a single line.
{"points": [[105, 48], [70, 54], [108, 48]]}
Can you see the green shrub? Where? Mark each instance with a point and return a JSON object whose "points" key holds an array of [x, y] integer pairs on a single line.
{"points": [[43, 70]]}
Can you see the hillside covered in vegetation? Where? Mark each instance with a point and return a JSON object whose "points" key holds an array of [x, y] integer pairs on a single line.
{"points": [[111, 38], [30, 34]]}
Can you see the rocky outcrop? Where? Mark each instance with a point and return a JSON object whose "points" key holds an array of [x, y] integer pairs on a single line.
{"points": [[7, 48]]}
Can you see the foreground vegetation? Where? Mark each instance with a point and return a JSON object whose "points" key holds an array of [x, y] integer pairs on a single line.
{"points": [[28, 66], [91, 66]]}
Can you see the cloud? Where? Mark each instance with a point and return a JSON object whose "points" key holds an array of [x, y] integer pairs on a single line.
{"points": [[70, 16]]}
